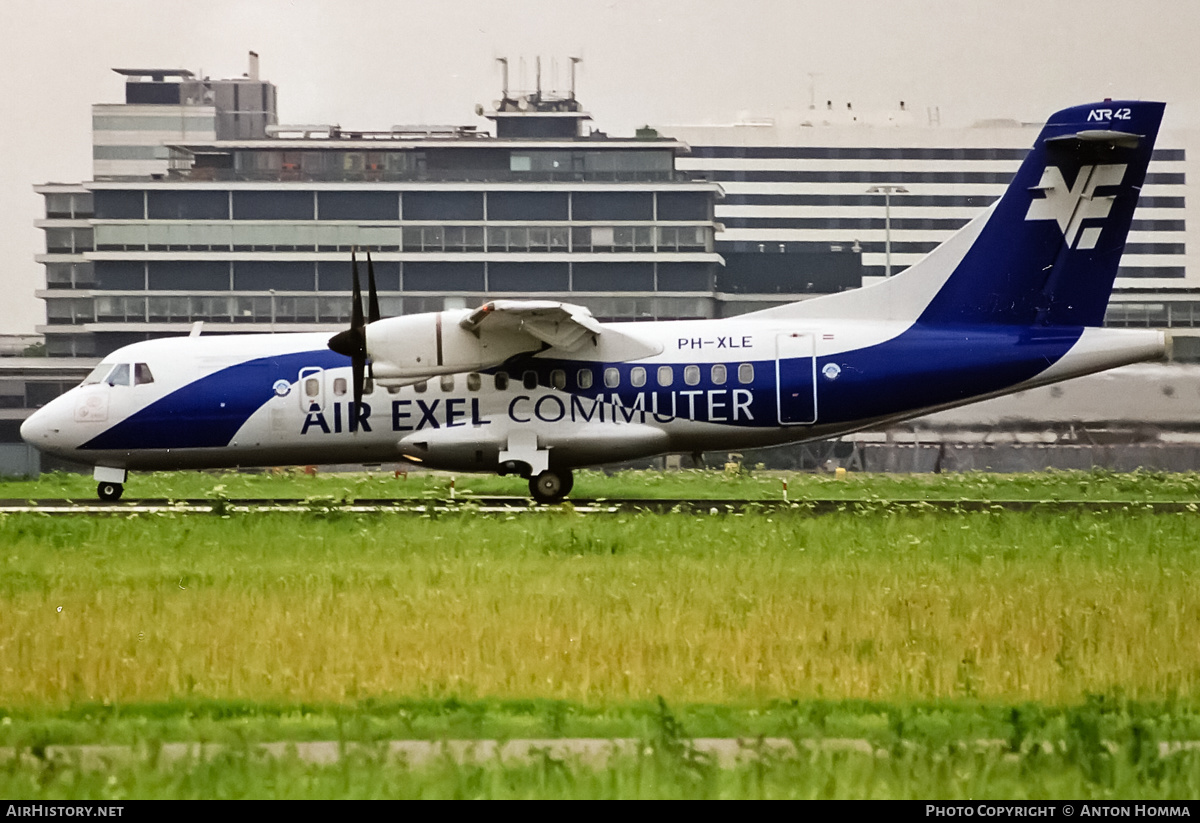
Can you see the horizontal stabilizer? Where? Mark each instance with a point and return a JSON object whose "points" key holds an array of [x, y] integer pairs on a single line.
{"points": [[1115, 138]]}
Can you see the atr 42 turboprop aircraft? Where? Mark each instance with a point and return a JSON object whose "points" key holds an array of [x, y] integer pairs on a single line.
{"points": [[1012, 301]]}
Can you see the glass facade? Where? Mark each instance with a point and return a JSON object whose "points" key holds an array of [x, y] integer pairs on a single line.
{"points": [[318, 237], [470, 161], [259, 257]]}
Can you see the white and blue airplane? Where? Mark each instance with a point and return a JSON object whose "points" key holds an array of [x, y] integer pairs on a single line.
{"points": [[1013, 300]]}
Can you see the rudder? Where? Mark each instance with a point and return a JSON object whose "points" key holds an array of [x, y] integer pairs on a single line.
{"points": [[1049, 252]]}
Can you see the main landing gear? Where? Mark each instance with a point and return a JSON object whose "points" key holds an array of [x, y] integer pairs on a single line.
{"points": [[551, 486], [109, 492]]}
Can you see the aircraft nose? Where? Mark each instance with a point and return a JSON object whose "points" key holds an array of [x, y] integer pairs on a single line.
{"points": [[36, 429], [43, 429]]}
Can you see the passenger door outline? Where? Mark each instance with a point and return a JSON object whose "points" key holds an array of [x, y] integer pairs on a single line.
{"points": [[796, 379], [309, 395]]}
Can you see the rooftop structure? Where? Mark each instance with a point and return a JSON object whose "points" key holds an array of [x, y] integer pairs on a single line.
{"points": [[161, 106]]}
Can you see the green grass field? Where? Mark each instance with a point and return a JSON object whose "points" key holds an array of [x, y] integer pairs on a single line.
{"points": [[1070, 637], [663, 767]]}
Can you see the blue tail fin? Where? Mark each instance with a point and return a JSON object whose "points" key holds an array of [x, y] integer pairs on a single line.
{"points": [[1049, 252]]}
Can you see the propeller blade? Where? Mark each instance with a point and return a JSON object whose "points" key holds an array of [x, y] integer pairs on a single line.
{"points": [[352, 342], [372, 294], [356, 310], [358, 366]]}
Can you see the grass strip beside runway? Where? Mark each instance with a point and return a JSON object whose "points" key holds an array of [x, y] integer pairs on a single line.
{"points": [[1132, 487]]}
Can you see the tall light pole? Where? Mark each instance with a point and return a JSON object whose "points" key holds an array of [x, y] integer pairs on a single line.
{"points": [[887, 192]]}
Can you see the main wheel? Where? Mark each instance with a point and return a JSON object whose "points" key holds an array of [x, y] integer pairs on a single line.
{"points": [[550, 486], [109, 492]]}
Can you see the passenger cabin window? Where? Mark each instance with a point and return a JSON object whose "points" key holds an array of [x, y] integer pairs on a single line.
{"points": [[583, 378], [420, 388], [339, 386], [119, 376], [666, 375], [637, 377], [691, 375], [718, 374], [447, 382], [312, 387], [529, 380], [141, 374], [746, 373], [501, 381], [558, 379], [612, 378], [474, 381]]}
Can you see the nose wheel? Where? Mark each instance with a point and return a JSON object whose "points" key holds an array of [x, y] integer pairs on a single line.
{"points": [[551, 486], [110, 492]]}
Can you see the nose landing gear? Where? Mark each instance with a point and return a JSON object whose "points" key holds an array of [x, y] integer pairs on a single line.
{"points": [[111, 483], [109, 492]]}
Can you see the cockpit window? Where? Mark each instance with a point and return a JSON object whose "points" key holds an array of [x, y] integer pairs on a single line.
{"points": [[97, 374], [119, 376]]}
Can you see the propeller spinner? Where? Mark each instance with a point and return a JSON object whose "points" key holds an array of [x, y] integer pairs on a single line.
{"points": [[353, 341]]}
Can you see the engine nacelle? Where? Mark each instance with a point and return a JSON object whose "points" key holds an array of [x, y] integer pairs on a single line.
{"points": [[419, 345]]}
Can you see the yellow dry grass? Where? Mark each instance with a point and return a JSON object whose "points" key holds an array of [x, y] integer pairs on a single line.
{"points": [[697, 609]]}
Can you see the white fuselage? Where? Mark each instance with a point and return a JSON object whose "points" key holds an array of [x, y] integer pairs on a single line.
{"points": [[711, 385]]}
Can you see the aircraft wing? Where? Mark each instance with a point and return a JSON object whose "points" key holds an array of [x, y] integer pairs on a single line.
{"points": [[561, 325], [414, 347]]}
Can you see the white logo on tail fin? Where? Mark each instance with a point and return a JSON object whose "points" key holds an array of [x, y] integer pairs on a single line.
{"points": [[1071, 206]]}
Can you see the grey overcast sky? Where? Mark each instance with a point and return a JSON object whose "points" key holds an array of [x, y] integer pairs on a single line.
{"points": [[375, 63]]}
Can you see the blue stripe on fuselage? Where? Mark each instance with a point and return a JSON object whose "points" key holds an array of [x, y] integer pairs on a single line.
{"points": [[923, 367], [933, 365], [208, 412]]}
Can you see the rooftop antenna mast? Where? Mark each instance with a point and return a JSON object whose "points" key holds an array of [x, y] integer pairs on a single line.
{"points": [[538, 76], [503, 61], [574, 61]]}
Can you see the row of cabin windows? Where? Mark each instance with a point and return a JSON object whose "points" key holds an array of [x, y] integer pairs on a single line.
{"points": [[584, 378], [125, 374]]}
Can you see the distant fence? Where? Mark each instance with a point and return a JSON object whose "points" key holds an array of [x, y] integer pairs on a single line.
{"points": [[993, 457], [19, 460], [1026, 457]]}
